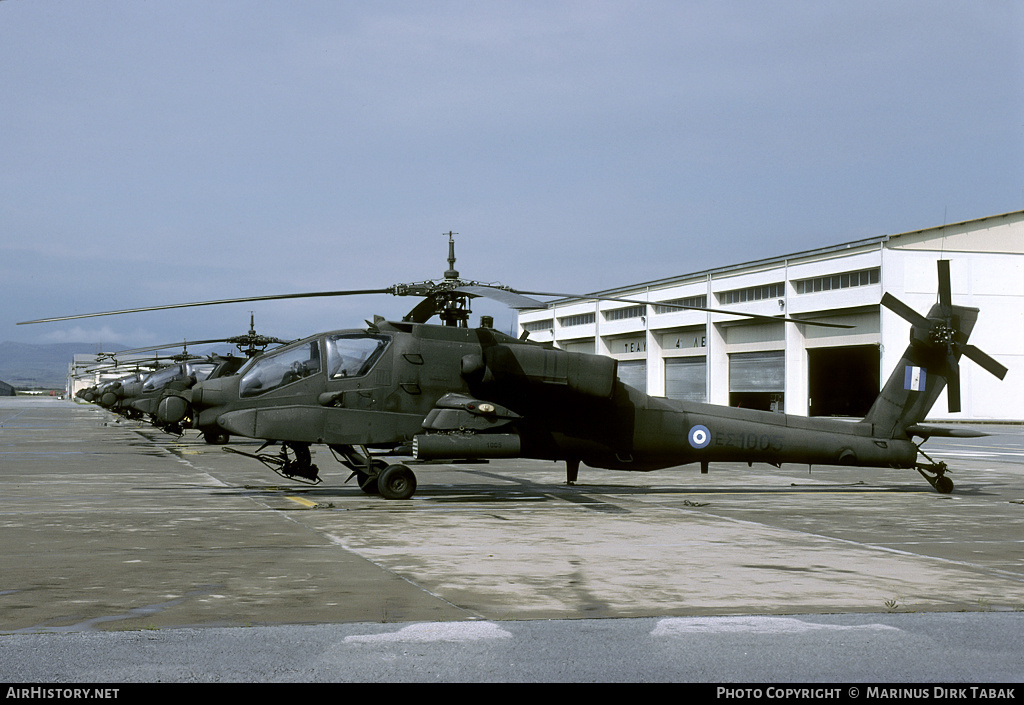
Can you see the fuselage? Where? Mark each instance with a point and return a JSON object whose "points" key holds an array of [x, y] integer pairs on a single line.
{"points": [[375, 388]]}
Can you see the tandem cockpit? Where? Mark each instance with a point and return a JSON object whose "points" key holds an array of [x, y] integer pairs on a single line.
{"points": [[198, 371], [342, 355]]}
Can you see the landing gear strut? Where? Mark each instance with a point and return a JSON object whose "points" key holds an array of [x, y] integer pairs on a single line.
{"points": [[376, 476], [935, 473]]}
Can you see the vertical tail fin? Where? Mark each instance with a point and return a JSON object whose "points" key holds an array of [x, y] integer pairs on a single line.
{"points": [[930, 363], [918, 379]]}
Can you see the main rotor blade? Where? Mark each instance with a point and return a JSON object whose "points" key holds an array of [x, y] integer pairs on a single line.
{"points": [[952, 384], [757, 316], [130, 365], [510, 298], [945, 290], [904, 311], [984, 360], [354, 292], [184, 343]]}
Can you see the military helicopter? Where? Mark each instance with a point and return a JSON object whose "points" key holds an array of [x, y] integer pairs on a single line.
{"points": [[94, 393], [117, 373], [138, 399], [451, 392], [142, 398]]}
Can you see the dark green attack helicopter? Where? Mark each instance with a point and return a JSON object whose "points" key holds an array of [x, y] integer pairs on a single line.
{"points": [[118, 373], [141, 398], [451, 392]]}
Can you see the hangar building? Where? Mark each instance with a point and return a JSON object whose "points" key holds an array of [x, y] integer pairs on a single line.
{"points": [[86, 371], [814, 371]]}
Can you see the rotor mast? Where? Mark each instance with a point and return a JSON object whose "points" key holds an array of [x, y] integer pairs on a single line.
{"points": [[452, 306], [451, 272]]}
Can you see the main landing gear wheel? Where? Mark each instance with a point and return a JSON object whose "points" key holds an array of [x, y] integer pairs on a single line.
{"points": [[375, 475], [396, 482]]}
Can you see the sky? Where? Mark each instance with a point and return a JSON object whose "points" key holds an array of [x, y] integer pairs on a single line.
{"points": [[168, 152]]}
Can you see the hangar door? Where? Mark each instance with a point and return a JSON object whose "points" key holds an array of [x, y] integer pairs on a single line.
{"points": [[686, 378], [843, 381], [634, 373], [757, 380]]}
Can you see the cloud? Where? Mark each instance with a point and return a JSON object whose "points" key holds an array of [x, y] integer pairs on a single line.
{"points": [[99, 334]]}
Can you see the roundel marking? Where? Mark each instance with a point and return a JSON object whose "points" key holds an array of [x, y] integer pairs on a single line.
{"points": [[700, 436]]}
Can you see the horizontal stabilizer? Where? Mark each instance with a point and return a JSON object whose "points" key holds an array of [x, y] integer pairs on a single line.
{"points": [[943, 432]]}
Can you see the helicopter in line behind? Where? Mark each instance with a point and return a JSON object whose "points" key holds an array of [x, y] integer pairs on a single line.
{"points": [[141, 398]]}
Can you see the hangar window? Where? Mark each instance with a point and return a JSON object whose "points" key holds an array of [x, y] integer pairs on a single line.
{"points": [[620, 314], [691, 301], [846, 280], [752, 293], [580, 319], [531, 326]]}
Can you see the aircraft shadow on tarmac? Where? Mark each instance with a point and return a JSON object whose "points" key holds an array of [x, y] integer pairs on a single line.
{"points": [[526, 491], [515, 488]]}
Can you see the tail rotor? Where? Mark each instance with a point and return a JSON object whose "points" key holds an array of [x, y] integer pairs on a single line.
{"points": [[943, 332]]}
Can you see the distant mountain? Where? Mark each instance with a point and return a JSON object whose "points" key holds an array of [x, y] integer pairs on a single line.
{"points": [[29, 366]]}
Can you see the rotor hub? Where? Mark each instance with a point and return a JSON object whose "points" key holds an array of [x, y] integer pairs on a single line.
{"points": [[943, 334]]}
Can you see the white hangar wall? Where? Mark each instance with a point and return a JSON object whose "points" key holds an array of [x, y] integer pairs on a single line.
{"points": [[810, 370], [986, 272]]}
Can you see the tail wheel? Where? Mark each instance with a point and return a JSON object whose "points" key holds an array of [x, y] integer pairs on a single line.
{"points": [[396, 482], [935, 473]]}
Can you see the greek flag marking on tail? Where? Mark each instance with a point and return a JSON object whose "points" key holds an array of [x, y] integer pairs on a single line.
{"points": [[914, 379]]}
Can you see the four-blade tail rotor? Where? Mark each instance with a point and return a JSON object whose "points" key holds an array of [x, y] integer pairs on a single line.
{"points": [[942, 330]]}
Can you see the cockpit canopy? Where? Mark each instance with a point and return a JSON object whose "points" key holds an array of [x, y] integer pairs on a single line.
{"points": [[347, 355], [352, 355], [177, 373]]}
